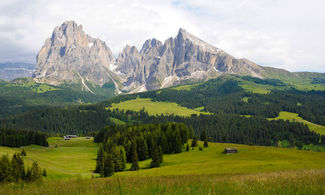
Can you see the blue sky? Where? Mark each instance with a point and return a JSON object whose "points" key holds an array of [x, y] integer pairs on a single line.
{"points": [[286, 34]]}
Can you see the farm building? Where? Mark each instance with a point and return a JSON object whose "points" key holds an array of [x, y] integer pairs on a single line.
{"points": [[71, 136], [230, 150]]}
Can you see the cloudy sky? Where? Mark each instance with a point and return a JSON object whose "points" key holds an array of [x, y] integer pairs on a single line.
{"points": [[286, 34]]}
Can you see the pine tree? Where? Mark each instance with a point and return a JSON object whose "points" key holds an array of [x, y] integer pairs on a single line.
{"points": [[16, 174], [122, 158], [194, 142], [107, 169], [205, 144], [5, 169], [44, 173], [203, 136], [155, 159], [142, 148], [160, 154], [99, 160], [187, 147], [134, 158], [36, 172], [28, 174], [23, 153]]}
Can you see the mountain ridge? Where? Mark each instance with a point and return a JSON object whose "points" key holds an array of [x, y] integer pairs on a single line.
{"points": [[70, 55]]}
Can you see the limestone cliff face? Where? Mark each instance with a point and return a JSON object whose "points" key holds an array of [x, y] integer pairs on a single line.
{"points": [[182, 58], [70, 55]]}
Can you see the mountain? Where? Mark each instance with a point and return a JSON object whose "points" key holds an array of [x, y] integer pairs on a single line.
{"points": [[71, 56], [10, 71], [179, 59]]}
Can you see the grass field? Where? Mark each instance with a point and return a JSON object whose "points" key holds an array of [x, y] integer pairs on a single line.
{"points": [[253, 170], [294, 117], [70, 158], [288, 182], [155, 108], [76, 157]]}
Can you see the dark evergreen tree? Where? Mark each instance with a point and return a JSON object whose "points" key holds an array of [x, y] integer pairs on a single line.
{"points": [[187, 147], [36, 172], [160, 154], [23, 153], [205, 144], [107, 169], [44, 174], [134, 158], [203, 136], [5, 169], [155, 158], [194, 142], [100, 158]]}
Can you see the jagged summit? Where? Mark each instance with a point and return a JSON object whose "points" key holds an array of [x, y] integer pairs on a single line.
{"points": [[70, 55]]}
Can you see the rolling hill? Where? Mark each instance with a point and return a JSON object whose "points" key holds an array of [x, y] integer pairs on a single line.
{"points": [[73, 161]]}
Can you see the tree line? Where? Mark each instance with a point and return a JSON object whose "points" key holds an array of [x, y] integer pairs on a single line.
{"points": [[14, 170], [17, 138], [125, 143]]}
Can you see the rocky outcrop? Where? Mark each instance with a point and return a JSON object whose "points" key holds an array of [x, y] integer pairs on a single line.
{"points": [[70, 55], [183, 58]]}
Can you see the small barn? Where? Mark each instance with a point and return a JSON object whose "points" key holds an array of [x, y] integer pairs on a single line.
{"points": [[230, 150], [71, 136]]}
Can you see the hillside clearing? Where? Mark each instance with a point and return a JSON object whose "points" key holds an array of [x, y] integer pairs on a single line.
{"points": [[295, 117], [154, 108]]}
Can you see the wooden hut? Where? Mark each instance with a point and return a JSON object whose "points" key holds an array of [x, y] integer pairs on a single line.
{"points": [[230, 150]]}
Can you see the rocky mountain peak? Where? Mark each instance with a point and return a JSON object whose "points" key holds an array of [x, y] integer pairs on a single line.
{"points": [[70, 55]]}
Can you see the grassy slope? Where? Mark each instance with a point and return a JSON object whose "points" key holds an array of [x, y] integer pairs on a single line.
{"points": [[299, 80], [29, 83], [154, 108], [289, 182], [294, 117], [77, 157], [70, 158]]}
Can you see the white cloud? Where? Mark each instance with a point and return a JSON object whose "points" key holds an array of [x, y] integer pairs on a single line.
{"points": [[287, 34]]}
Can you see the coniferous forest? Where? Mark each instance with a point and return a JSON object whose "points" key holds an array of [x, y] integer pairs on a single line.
{"points": [[222, 97], [17, 138], [122, 144], [14, 170]]}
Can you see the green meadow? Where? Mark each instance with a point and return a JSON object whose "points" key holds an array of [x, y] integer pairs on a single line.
{"points": [[155, 108], [287, 182], [63, 159], [294, 117], [253, 170], [76, 158]]}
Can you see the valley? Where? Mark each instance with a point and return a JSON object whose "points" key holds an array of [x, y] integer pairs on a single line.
{"points": [[248, 170], [67, 159], [180, 116]]}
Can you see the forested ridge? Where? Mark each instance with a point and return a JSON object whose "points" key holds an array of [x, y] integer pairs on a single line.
{"points": [[22, 95], [17, 138], [121, 144], [223, 97]]}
